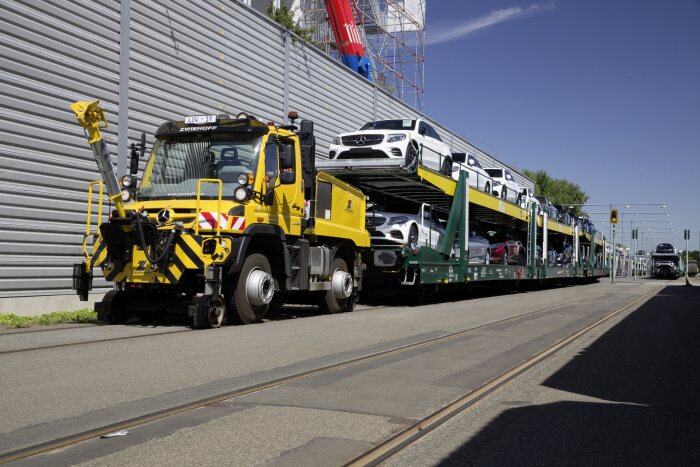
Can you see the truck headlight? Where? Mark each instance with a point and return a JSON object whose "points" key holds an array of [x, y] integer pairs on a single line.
{"points": [[243, 179], [240, 193], [126, 194], [395, 138], [127, 181]]}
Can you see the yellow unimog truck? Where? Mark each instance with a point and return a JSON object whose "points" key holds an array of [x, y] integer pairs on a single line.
{"points": [[230, 219]]}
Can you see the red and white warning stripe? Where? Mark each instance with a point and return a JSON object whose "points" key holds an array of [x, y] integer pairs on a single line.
{"points": [[207, 220], [237, 223]]}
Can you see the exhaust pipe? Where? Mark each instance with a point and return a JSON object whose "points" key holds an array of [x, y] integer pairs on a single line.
{"points": [[89, 116]]}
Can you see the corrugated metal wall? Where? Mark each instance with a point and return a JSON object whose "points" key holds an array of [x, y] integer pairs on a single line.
{"points": [[185, 58]]}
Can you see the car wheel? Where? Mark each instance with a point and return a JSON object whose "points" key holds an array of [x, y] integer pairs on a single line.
{"points": [[411, 163], [505, 257], [413, 237], [487, 188], [446, 167], [504, 193], [487, 257]]}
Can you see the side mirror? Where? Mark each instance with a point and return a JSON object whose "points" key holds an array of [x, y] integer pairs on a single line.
{"points": [[134, 160], [459, 156]]}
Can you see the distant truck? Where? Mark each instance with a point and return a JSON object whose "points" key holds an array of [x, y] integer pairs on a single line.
{"points": [[692, 268]]}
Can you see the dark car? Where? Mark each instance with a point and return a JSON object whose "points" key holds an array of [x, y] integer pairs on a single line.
{"points": [[665, 248], [566, 256], [508, 252]]}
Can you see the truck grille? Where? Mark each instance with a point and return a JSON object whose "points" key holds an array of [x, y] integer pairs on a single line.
{"points": [[362, 140]]}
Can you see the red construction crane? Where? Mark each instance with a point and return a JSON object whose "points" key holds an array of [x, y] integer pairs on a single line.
{"points": [[347, 35]]}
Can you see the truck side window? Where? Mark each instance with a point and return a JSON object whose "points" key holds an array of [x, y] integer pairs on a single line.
{"points": [[271, 161]]}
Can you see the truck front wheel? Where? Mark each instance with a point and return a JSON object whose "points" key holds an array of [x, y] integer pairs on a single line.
{"points": [[253, 290], [330, 303]]}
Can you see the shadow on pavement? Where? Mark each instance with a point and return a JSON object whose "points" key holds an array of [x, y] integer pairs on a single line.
{"points": [[645, 370]]}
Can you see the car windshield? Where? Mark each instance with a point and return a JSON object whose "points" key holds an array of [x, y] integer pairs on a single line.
{"points": [[405, 124], [495, 172], [177, 163]]}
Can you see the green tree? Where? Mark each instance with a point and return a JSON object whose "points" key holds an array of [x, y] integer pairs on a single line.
{"points": [[285, 18], [557, 190]]}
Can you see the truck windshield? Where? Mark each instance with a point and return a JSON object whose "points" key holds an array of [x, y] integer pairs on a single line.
{"points": [[390, 125], [178, 162]]}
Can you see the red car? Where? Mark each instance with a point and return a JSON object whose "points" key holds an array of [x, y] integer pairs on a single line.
{"points": [[508, 252]]}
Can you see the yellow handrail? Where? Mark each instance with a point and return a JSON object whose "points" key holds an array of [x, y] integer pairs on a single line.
{"points": [[218, 210], [89, 213]]}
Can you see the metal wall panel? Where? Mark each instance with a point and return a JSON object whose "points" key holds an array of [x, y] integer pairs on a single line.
{"points": [[51, 54], [185, 58]]}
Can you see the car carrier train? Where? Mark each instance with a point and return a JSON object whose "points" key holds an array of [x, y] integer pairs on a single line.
{"points": [[232, 218]]}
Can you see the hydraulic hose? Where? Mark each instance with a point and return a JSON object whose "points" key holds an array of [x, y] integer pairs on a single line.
{"points": [[144, 246]]}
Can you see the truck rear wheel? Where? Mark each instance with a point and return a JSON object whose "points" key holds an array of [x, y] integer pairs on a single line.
{"points": [[253, 290], [329, 302], [112, 309]]}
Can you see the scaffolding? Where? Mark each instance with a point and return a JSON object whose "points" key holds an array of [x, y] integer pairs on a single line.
{"points": [[393, 34]]}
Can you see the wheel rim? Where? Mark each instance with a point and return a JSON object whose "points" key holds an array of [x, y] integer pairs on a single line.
{"points": [[216, 312], [259, 287], [341, 284], [413, 236]]}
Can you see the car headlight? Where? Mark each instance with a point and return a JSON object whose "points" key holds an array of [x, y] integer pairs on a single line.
{"points": [[336, 140], [395, 138], [240, 193], [495, 183], [397, 220]]}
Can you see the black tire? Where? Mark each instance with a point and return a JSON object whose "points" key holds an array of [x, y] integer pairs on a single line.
{"points": [[411, 163], [504, 193], [413, 237], [245, 313], [113, 310], [487, 188], [328, 304], [446, 168]]}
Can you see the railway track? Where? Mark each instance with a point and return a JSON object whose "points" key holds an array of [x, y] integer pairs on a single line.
{"points": [[387, 448]]}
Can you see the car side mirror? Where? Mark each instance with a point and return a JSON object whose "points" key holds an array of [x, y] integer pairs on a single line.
{"points": [[459, 157]]}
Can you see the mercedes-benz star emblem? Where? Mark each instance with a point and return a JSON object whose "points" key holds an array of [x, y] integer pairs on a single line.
{"points": [[164, 216], [361, 140]]}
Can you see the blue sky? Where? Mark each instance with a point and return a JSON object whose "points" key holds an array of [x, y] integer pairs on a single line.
{"points": [[604, 93]]}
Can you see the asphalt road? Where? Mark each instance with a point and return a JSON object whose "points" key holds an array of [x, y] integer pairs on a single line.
{"points": [[322, 420], [625, 394]]}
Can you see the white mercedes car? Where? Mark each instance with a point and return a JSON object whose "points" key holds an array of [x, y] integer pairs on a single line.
{"points": [[414, 230], [403, 139], [478, 178], [504, 185]]}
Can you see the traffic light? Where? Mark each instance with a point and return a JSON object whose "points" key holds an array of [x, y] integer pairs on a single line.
{"points": [[613, 216]]}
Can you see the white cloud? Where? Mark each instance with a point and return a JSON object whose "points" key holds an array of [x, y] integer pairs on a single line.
{"points": [[452, 33]]}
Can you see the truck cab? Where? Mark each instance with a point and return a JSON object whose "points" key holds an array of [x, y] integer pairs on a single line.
{"points": [[230, 219]]}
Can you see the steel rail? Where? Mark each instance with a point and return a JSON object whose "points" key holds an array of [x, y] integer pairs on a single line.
{"points": [[86, 435], [413, 433]]}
